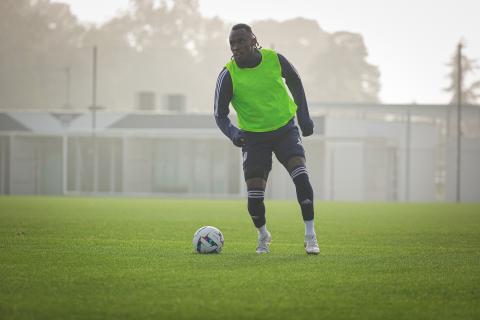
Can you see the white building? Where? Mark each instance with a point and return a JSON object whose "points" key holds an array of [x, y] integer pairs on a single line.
{"points": [[358, 153]]}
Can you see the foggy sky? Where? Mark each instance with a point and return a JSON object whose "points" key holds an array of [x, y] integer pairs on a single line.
{"points": [[410, 41]]}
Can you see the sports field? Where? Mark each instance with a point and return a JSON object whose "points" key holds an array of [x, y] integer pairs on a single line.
{"points": [[79, 258]]}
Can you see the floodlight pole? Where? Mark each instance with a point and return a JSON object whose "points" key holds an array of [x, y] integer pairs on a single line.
{"points": [[407, 154], [459, 121], [94, 79], [67, 104], [94, 109]]}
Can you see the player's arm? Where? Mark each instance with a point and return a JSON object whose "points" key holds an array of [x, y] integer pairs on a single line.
{"points": [[223, 96], [294, 83]]}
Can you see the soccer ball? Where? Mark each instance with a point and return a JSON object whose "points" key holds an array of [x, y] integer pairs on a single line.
{"points": [[207, 240]]}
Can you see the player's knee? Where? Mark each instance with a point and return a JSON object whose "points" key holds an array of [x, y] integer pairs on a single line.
{"points": [[255, 192], [256, 173], [256, 183], [294, 163], [302, 183], [299, 175]]}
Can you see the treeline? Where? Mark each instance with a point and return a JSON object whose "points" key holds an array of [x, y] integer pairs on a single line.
{"points": [[166, 47]]}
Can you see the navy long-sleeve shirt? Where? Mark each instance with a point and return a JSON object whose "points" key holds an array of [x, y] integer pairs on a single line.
{"points": [[224, 94]]}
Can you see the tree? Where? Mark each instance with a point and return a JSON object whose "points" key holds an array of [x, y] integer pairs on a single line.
{"points": [[341, 72], [471, 90], [333, 66], [164, 46], [37, 39], [150, 48]]}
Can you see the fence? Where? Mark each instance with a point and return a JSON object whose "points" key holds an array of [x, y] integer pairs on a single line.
{"points": [[369, 154]]}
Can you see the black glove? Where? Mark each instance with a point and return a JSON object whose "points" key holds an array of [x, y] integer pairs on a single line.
{"points": [[307, 129], [239, 139]]}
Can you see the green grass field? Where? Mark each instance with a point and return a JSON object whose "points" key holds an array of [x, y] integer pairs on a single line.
{"points": [[76, 258]]}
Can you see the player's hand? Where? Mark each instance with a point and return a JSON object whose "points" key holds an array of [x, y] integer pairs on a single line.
{"points": [[307, 130], [239, 139]]}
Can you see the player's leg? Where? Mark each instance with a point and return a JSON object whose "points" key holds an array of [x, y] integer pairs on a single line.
{"points": [[256, 196], [256, 209], [257, 163], [290, 153], [297, 169]]}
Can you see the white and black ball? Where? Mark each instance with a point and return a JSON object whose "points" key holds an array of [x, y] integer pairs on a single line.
{"points": [[208, 239]]}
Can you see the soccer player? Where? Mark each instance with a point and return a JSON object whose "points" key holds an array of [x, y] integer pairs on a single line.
{"points": [[252, 82]]}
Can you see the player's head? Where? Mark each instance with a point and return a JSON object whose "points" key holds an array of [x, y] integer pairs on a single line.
{"points": [[243, 42]]}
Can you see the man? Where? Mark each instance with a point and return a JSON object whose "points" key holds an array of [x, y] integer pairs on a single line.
{"points": [[252, 82]]}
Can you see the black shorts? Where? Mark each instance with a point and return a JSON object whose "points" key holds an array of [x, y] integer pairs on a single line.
{"points": [[257, 152]]}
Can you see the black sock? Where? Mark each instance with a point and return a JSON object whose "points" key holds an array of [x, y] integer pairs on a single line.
{"points": [[256, 207], [304, 191]]}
